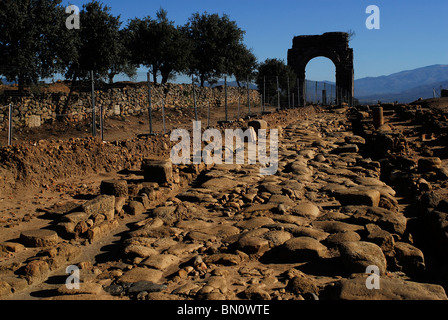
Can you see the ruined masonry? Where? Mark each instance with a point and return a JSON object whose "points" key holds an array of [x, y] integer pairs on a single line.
{"points": [[226, 232]]}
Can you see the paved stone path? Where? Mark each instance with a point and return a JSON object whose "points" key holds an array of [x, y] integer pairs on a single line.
{"points": [[314, 230]]}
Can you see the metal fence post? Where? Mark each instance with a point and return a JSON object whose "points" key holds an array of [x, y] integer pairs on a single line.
{"points": [[208, 115], [194, 100], [278, 94], [225, 98], [239, 102], [264, 104], [149, 103], [248, 96], [331, 95], [289, 99], [163, 116], [264, 93], [93, 105], [10, 125], [101, 122]]}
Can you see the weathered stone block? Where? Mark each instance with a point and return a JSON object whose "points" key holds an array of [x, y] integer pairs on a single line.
{"points": [[380, 237], [33, 121], [410, 258], [253, 245], [5, 289], [12, 246], [117, 188], [258, 124], [429, 164], [160, 171], [101, 230], [134, 208], [139, 274], [367, 197], [306, 209], [348, 148], [390, 289], [36, 270], [161, 261], [302, 249], [358, 255], [103, 204], [39, 238], [75, 217], [387, 220]]}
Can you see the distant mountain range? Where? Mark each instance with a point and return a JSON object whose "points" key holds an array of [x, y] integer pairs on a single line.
{"points": [[405, 86]]}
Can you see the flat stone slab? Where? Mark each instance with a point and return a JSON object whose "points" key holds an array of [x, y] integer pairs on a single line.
{"points": [[302, 249], [389, 289], [306, 209], [139, 274], [369, 197], [429, 164], [348, 148], [358, 255], [75, 217], [161, 261], [145, 286], [255, 222], [103, 204], [39, 238], [221, 184], [336, 226], [253, 245], [385, 219], [409, 257]]}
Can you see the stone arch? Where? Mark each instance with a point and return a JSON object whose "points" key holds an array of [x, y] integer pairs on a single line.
{"points": [[331, 45]]}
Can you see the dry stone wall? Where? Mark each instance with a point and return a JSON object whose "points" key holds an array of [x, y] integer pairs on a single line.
{"points": [[127, 99]]}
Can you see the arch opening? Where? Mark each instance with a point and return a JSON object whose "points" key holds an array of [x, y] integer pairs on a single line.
{"points": [[320, 86], [332, 45]]}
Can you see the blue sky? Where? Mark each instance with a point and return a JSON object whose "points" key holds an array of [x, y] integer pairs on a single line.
{"points": [[412, 34]]}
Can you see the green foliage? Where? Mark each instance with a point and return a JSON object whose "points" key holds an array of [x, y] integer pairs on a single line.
{"points": [[98, 42], [269, 70], [155, 44], [216, 41], [35, 43], [122, 61], [33, 39], [244, 65]]}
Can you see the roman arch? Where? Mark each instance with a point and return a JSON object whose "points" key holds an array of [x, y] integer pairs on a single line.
{"points": [[332, 45]]}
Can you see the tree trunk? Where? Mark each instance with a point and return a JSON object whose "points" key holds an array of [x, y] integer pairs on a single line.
{"points": [[154, 74], [202, 79], [111, 77], [61, 115], [238, 83], [21, 84], [165, 77]]}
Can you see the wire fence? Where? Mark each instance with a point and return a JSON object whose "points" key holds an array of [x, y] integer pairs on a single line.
{"points": [[61, 109]]}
